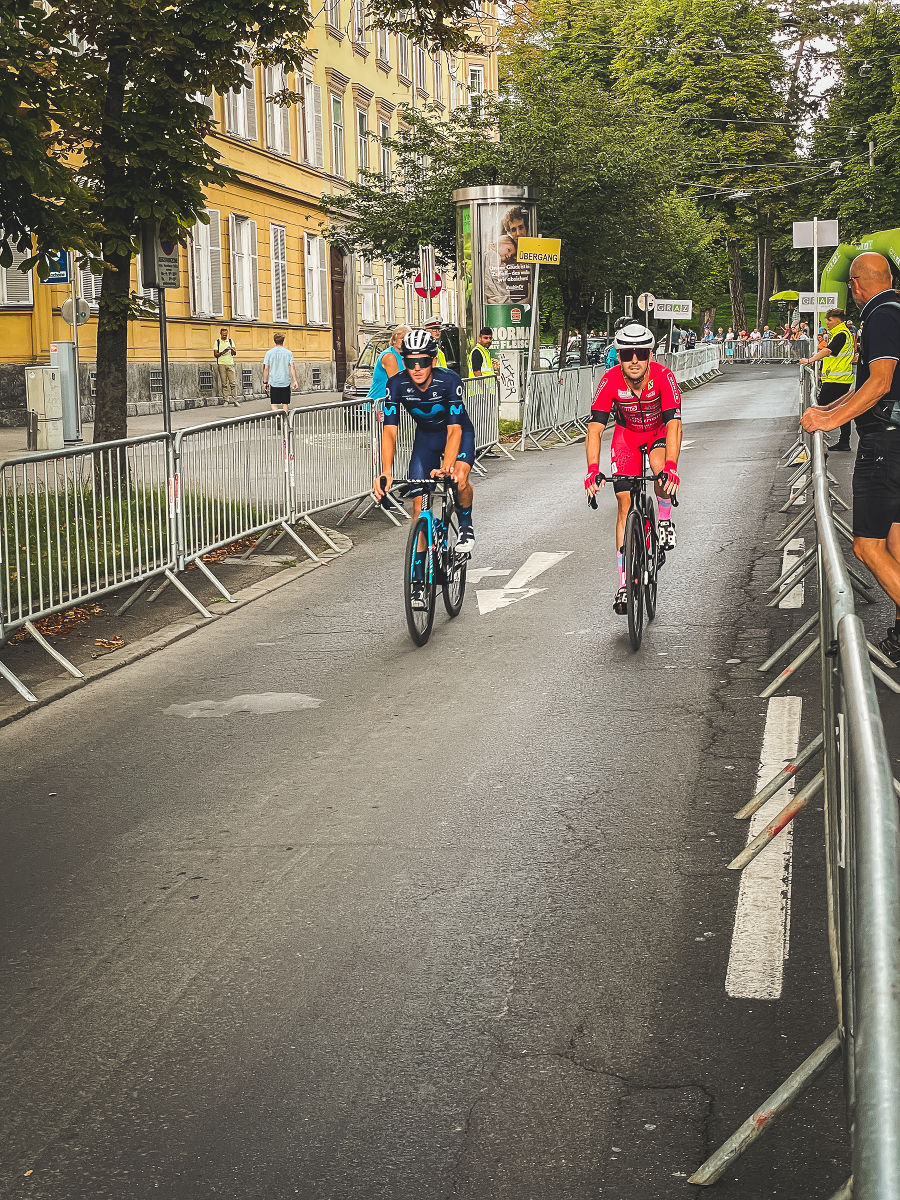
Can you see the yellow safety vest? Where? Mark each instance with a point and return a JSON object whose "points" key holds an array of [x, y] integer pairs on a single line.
{"points": [[487, 367], [838, 368], [441, 359]]}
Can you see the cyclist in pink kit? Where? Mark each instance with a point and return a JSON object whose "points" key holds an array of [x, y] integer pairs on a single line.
{"points": [[647, 405]]}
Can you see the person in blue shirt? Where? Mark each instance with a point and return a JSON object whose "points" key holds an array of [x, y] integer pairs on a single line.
{"points": [[444, 443], [390, 363], [280, 375]]}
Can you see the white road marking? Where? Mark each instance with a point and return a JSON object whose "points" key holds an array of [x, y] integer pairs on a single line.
{"points": [[490, 599], [476, 574], [759, 943], [262, 704], [687, 442], [792, 551], [534, 565]]}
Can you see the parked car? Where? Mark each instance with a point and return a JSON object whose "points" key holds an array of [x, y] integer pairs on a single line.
{"points": [[359, 378]]}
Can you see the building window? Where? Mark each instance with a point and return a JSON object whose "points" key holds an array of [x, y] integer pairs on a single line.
{"points": [[384, 133], [368, 290], [240, 109], [390, 305], [278, 239], [206, 267], [476, 88], [358, 21], [244, 269], [438, 80], [333, 13], [278, 116], [89, 286], [383, 46], [316, 280], [419, 62], [15, 285], [362, 142], [337, 136], [313, 139], [403, 56]]}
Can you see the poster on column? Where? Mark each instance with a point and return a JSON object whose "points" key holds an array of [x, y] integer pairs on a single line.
{"points": [[507, 284]]}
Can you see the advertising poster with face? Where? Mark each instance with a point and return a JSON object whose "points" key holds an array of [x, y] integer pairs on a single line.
{"points": [[507, 284]]}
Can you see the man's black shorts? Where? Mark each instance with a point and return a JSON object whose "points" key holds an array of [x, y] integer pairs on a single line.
{"points": [[876, 485], [829, 392]]}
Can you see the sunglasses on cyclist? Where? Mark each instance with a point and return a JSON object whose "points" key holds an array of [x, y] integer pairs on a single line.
{"points": [[642, 354], [417, 361]]}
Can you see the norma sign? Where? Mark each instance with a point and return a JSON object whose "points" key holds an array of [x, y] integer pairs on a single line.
{"points": [[424, 292], [816, 301], [59, 268], [543, 251], [671, 310], [160, 258]]}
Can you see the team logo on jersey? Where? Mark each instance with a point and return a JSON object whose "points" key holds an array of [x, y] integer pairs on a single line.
{"points": [[455, 409]]}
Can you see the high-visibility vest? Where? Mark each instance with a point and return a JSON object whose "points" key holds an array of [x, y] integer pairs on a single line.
{"points": [[838, 368], [441, 359], [487, 366]]}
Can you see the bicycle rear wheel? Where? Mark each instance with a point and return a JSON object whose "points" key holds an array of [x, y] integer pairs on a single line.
{"points": [[634, 577], [453, 585], [418, 594], [651, 547]]}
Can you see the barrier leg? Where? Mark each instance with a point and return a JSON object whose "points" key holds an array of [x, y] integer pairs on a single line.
{"points": [[845, 1192], [52, 651], [217, 583], [890, 684], [782, 595], [172, 578], [771, 1108], [323, 535], [796, 525], [782, 579], [796, 492], [789, 670], [300, 542], [791, 641], [775, 826], [838, 499], [135, 595], [777, 782], [24, 691]]}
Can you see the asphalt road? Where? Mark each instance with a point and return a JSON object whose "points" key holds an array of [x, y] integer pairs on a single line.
{"points": [[456, 923]]}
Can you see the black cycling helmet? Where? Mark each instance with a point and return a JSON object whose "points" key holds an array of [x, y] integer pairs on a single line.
{"points": [[621, 323], [419, 341]]}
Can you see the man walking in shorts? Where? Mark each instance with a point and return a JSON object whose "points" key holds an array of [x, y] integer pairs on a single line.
{"points": [[280, 375]]}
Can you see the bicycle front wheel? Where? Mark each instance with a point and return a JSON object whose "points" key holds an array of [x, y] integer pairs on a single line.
{"points": [[418, 588], [453, 585], [651, 548], [634, 577]]}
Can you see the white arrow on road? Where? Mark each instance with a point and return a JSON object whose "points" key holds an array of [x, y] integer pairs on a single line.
{"points": [[490, 599]]}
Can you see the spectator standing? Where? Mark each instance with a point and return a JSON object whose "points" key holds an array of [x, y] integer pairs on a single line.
{"points": [[675, 340], [480, 361], [224, 351], [875, 404], [389, 364], [434, 325], [836, 357], [280, 375]]}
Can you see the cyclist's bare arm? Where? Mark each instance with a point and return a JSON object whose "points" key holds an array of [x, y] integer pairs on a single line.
{"points": [[592, 449], [388, 447]]}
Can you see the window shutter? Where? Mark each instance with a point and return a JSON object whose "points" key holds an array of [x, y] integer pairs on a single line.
{"points": [[18, 288], [317, 121], [279, 272], [196, 257], [234, 234], [283, 118], [249, 98], [323, 281], [213, 242], [312, 300], [231, 112], [253, 254], [89, 286], [271, 109]]}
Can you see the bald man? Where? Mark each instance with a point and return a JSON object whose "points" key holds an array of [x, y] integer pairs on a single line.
{"points": [[875, 404]]}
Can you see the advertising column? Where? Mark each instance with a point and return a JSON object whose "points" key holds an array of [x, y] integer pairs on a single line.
{"points": [[495, 289]]}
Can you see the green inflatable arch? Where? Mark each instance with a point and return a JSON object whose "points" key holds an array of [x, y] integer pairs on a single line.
{"points": [[837, 269]]}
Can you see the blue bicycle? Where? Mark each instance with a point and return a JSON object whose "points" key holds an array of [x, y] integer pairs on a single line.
{"points": [[431, 557]]}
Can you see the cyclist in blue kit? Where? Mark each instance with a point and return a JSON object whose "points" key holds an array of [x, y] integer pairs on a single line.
{"points": [[445, 437]]}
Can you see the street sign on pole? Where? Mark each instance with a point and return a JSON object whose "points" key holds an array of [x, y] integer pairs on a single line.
{"points": [[428, 293], [59, 271], [646, 301], [75, 312], [671, 310], [815, 233], [160, 258], [539, 250], [816, 301]]}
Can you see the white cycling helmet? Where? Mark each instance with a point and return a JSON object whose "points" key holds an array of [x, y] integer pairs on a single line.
{"points": [[419, 341], [634, 337]]}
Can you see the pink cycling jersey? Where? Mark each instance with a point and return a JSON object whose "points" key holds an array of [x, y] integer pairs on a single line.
{"points": [[659, 402]]}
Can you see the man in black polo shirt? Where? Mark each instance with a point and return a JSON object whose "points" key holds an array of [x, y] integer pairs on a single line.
{"points": [[875, 403]]}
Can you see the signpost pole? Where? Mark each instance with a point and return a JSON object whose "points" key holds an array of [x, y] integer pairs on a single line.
{"points": [[671, 334], [164, 358], [815, 250], [534, 304], [73, 275]]}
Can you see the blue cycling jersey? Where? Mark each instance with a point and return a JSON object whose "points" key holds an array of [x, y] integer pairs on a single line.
{"points": [[434, 407]]}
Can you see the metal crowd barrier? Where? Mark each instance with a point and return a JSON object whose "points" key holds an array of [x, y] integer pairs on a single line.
{"points": [[334, 458], [769, 350], [693, 367], [556, 402], [850, 762], [78, 524]]}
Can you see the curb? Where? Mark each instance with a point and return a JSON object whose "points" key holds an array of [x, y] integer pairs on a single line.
{"points": [[168, 636]]}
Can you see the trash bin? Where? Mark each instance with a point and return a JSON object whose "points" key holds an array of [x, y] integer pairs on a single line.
{"points": [[43, 397]]}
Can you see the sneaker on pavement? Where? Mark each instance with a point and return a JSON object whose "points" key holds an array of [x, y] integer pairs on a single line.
{"points": [[620, 604], [891, 646], [466, 541], [418, 595], [667, 537]]}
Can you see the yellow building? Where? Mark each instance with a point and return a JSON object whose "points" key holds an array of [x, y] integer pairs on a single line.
{"points": [[262, 266]]}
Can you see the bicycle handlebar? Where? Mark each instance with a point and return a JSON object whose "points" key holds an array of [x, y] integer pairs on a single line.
{"points": [[662, 477]]}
